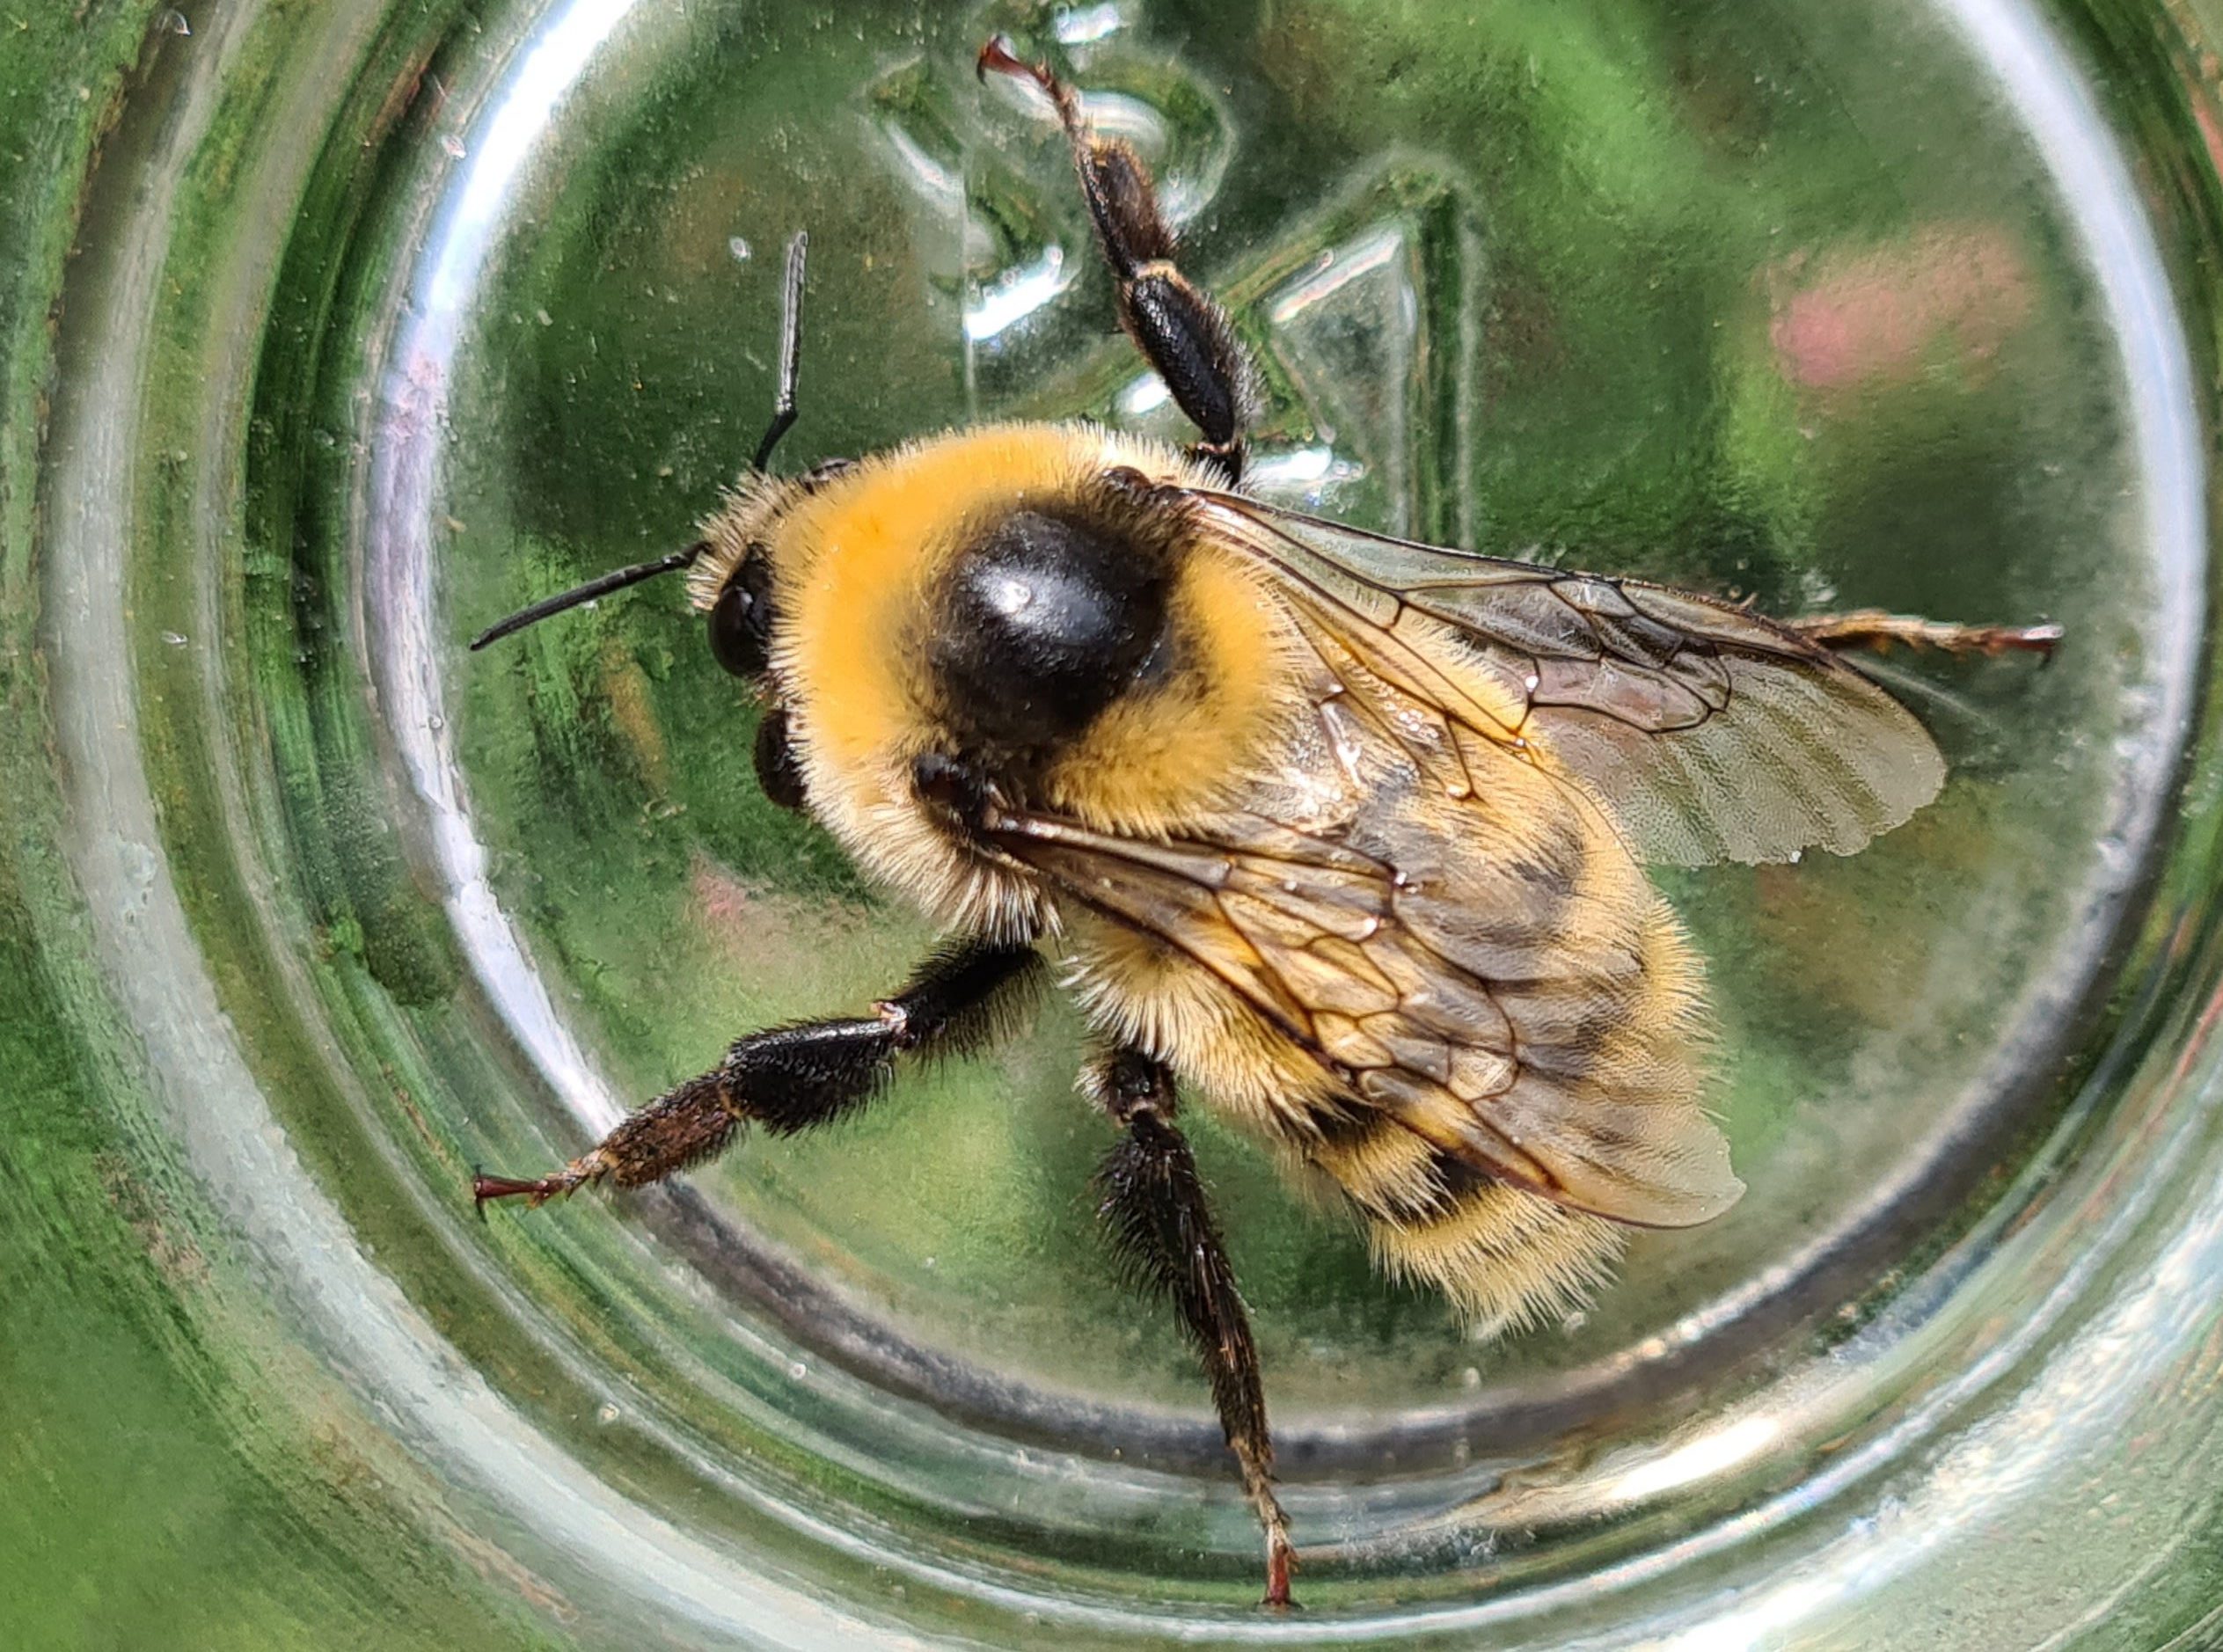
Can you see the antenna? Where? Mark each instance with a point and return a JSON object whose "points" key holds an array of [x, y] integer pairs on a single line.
{"points": [[601, 585], [791, 350], [783, 417]]}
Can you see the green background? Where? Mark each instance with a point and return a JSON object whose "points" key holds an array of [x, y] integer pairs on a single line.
{"points": [[175, 1469]]}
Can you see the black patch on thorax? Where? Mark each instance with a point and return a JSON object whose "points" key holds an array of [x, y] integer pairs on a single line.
{"points": [[1048, 615]]}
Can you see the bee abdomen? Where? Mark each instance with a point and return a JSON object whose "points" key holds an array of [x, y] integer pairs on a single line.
{"points": [[1507, 1258]]}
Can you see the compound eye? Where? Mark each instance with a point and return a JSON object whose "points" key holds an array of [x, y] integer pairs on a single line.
{"points": [[740, 621]]}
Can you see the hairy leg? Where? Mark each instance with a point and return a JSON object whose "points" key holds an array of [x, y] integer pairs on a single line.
{"points": [[1874, 628], [1153, 1206], [792, 1078], [1182, 333]]}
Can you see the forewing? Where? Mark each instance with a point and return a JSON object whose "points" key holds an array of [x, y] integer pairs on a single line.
{"points": [[1503, 1004], [1709, 732]]}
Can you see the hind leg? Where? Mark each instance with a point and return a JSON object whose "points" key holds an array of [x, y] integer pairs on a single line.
{"points": [[1182, 333], [1877, 629], [1154, 1209]]}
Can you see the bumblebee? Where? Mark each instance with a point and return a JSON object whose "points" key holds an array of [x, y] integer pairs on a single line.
{"points": [[1342, 835]]}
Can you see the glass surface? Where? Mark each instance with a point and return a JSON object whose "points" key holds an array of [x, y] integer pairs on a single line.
{"points": [[331, 333]]}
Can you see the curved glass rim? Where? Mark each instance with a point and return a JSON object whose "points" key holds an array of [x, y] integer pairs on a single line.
{"points": [[2066, 1231]]}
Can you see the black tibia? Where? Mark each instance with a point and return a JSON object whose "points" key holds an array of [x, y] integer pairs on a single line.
{"points": [[1874, 628], [1184, 335], [1161, 1223], [964, 997]]}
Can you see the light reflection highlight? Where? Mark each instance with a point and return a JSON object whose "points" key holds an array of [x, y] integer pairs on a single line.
{"points": [[1085, 25], [1701, 1459], [1143, 395], [405, 483], [1299, 470], [1016, 294], [1337, 270]]}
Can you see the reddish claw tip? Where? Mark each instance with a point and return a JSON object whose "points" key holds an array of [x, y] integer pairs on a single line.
{"points": [[484, 1187], [2040, 640], [1281, 1560], [998, 55]]}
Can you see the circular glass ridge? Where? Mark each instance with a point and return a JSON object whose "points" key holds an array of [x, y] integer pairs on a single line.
{"points": [[687, 1405]]}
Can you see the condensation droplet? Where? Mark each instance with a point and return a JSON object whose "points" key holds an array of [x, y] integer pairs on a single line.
{"points": [[739, 248], [453, 144]]}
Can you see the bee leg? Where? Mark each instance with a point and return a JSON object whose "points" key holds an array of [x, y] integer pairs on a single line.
{"points": [[1182, 333], [1874, 628], [1153, 1206], [791, 1077]]}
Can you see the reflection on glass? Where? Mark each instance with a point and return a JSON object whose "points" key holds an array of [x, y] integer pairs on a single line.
{"points": [[445, 307]]}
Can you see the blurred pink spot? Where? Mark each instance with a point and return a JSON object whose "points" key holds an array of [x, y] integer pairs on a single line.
{"points": [[722, 899], [1844, 320], [742, 926], [764, 928], [2204, 111]]}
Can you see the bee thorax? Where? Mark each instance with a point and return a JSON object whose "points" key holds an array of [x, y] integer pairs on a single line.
{"points": [[1044, 621]]}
